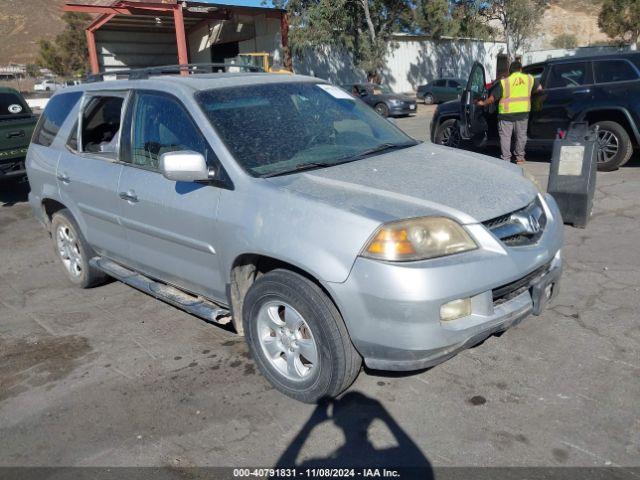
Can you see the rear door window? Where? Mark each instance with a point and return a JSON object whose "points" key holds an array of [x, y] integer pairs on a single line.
{"points": [[567, 75], [452, 84], [607, 71], [100, 124], [54, 115]]}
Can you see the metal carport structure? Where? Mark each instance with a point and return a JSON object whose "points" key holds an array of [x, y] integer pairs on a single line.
{"points": [[168, 16]]}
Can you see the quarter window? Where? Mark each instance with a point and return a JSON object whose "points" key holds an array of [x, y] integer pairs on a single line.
{"points": [[101, 125], [566, 75], [162, 125], [607, 71], [54, 115]]}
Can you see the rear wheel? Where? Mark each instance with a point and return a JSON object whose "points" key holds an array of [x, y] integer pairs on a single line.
{"points": [[614, 147], [73, 250], [382, 109], [428, 99], [298, 338], [448, 134]]}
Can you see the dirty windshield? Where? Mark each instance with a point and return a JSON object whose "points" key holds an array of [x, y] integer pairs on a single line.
{"points": [[282, 128]]}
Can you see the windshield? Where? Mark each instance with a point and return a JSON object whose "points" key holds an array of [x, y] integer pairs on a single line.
{"points": [[381, 89], [281, 128], [12, 105]]}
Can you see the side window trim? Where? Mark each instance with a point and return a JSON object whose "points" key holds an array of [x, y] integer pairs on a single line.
{"points": [[624, 60], [589, 80], [86, 98], [222, 180], [132, 104]]}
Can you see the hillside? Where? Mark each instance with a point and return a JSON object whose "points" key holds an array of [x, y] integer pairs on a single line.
{"points": [[24, 22], [577, 17]]}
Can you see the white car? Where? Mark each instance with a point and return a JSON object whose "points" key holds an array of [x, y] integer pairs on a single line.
{"points": [[47, 86]]}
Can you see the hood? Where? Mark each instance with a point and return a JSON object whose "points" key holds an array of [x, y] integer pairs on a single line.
{"points": [[419, 181], [397, 96], [449, 107]]}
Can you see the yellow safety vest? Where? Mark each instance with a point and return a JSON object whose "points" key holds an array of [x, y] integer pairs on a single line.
{"points": [[516, 93]]}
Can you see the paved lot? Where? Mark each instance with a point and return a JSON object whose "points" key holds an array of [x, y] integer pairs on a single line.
{"points": [[110, 376]]}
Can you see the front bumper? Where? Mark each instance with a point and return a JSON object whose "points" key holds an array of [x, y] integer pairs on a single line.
{"points": [[392, 310], [403, 109]]}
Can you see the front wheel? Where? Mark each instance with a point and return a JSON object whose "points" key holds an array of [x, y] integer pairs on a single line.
{"points": [[297, 337], [428, 99], [382, 109], [614, 147], [448, 134]]}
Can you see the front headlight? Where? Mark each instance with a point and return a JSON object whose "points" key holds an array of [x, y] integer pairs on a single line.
{"points": [[418, 239], [528, 176]]}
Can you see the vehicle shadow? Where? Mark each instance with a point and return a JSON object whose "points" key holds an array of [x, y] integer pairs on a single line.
{"points": [[354, 413], [13, 191]]}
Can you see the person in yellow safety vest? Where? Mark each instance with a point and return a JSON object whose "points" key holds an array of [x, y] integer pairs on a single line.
{"points": [[513, 95]]}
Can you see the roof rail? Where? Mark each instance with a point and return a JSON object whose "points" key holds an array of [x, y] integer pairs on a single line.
{"points": [[191, 69]]}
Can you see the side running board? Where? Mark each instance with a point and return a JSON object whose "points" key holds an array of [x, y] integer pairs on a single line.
{"points": [[197, 306]]}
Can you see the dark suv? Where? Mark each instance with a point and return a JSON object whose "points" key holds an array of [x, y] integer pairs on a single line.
{"points": [[602, 90]]}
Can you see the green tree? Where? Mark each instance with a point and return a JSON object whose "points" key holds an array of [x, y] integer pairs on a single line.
{"points": [[620, 20], [452, 18], [67, 55], [32, 70], [565, 40], [362, 27], [518, 20]]}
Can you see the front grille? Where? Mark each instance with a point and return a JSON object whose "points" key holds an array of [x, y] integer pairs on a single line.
{"points": [[520, 228], [512, 290]]}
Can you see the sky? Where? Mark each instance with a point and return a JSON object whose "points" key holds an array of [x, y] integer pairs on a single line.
{"points": [[249, 3]]}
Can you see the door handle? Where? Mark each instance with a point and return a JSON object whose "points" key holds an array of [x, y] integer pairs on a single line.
{"points": [[15, 134], [129, 196], [582, 91], [64, 178]]}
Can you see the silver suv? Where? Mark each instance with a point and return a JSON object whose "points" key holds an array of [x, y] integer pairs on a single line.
{"points": [[289, 209]]}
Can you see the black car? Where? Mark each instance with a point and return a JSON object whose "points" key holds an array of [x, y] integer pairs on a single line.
{"points": [[441, 90], [603, 91], [17, 122], [382, 99]]}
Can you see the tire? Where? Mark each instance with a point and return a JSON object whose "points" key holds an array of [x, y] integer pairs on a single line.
{"points": [[73, 251], [382, 109], [282, 294], [614, 146], [428, 99], [448, 134]]}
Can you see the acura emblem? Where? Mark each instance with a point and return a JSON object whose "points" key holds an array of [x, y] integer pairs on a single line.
{"points": [[528, 221]]}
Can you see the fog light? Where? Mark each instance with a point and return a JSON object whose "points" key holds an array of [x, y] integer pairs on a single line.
{"points": [[455, 309]]}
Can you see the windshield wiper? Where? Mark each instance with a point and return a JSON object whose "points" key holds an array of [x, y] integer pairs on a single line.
{"points": [[383, 147], [301, 167]]}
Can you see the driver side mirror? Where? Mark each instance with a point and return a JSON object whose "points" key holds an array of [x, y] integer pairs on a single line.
{"points": [[185, 166]]}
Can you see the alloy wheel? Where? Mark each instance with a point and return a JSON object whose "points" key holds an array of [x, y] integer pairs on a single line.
{"points": [[608, 146], [287, 341], [451, 136], [69, 250]]}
